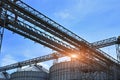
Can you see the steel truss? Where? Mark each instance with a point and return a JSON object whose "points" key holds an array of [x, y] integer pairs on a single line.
{"points": [[65, 41], [32, 13]]}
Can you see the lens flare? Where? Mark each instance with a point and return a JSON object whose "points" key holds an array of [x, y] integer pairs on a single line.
{"points": [[73, 56]]}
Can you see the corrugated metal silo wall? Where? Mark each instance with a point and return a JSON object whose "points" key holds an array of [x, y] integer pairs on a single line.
{"points": [[74, 70], [2, 79], [29, 75], [65, 71]]}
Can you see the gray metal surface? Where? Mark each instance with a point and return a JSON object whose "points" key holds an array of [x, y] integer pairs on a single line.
{"points": [[63, 71], [73, 70], [2, 79], [29, 75]]}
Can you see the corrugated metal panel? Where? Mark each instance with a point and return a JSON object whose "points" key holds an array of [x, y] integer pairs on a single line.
{"points": [[65, 71], [74, 70], [29, 75], [2, 79]]}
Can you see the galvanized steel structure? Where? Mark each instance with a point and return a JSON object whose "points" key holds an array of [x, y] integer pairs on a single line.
{"points": [[92, 61], [2, 79], [75, 70], [29, 75]]}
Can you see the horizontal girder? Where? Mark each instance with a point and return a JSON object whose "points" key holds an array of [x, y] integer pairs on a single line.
{"points": [[37, 16], [34, 17]]}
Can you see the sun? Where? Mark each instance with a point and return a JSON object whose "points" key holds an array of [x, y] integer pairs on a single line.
{"points": [[73, 56]]}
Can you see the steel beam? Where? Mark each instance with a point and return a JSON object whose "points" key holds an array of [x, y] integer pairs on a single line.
{"points": [[58, 28]]}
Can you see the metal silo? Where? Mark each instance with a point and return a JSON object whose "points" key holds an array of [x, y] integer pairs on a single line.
{"points": [[2, 79], [65, 71], [75, 70], [30, 75]]}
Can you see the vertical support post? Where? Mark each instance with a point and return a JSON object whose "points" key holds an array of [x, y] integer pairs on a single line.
{"points": [[118, 51], [118, 48], [1, 36], [2, 16]]}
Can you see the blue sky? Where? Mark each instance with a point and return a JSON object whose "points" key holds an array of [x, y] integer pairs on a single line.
{"points": [[92, 20]]}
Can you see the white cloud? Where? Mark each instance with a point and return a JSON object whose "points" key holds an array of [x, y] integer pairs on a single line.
{"points": [[63, 14], [79, 10], [36, 51], [28, 54], [8, 59], [83, 8]]}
